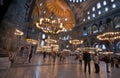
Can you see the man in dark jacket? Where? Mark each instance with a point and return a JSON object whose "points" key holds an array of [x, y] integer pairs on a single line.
{"points": [[87, 59]]}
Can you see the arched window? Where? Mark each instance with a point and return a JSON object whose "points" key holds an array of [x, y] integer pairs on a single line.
{"points": [[95, 28], [109, 23], [88, 12], [103, 47], [93, 15], [93, 9], [104, 3], [112, 0], [99, 12], [43, 36], [89, 30], [117, 22], [101, 27], [84, 31], [88, 17], [113, 5], [98, 5], [118, 45], [106, 9], [96, 46]]}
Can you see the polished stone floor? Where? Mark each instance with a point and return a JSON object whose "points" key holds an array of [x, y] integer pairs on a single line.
{"points": [[48, 69]]}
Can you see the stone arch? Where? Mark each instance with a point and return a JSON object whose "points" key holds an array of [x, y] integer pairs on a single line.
{"points": [[116, 22], [108, 20], [100, 45], [101, 26], [94, 28], [84, 31], [118, 45], [94, 44], [109, 24], [89, 30]]}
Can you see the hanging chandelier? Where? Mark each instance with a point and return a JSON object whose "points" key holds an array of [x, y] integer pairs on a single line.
{"points": [[50, 25], [55, 17], [75, 42], [110, 36], [31, 41], [89, 49], [50, 40]]}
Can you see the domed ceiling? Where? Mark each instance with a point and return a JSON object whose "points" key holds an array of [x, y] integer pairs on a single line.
{"points": [[70, 12]]}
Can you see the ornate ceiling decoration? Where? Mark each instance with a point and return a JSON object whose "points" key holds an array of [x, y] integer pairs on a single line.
{"points": [[68, 13], [63, 11], [54, 9], [59, 7], [80, 9]]}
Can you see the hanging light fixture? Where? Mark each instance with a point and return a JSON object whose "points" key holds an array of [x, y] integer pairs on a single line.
{"points": [[110, 36], [50, 25], [31, 41], [55, 17], [50, 40], [75, 42], [18, 32]]}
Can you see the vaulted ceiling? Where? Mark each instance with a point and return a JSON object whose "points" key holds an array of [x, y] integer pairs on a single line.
{"points": [[74, 12]]}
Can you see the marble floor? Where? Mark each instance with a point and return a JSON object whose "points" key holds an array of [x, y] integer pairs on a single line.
{"points": [[48, 69]]}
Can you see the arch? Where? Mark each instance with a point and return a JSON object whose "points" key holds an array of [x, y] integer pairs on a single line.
{"points": [[109, 24], [94, 44], [85, 31], [94, 28], [101, 26], [108, 20], [97, 45], [102, 46], [117, 22], [118, 45], [100, 23], [89, 30]]}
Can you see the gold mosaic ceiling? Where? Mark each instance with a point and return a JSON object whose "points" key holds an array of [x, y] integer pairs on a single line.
{"points": [[60, 9], [74, 13]]}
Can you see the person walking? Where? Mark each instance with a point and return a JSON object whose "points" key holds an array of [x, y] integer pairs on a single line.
{"points": [[30, 54], [96, 63], [44, 56], [87, 59], [80, 59], [54, 56], [76, 58]]}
